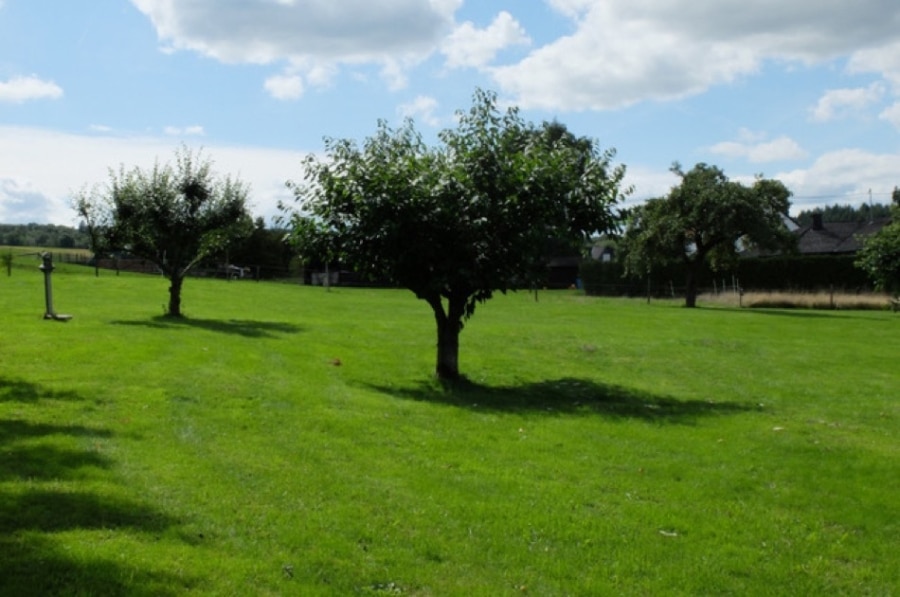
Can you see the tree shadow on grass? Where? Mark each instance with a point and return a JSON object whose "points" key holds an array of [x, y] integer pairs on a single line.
{"points": [[800, 313], [24, 458], [43, 495], [568, 396], [37, 565], [239, 327], [13, 390]]}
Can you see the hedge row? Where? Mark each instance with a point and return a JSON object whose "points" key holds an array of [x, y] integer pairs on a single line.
{"points": [[789, 273]]}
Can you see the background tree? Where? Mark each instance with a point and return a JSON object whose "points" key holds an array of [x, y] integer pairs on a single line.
{"points": [[7, 260], [864, 212], [456, 222], [93, 208], [880, 254], [174, 216], [265, 251], [701, 221]]}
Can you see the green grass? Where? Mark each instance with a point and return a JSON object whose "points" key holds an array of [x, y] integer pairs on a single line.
{"points": [[599, 446]]}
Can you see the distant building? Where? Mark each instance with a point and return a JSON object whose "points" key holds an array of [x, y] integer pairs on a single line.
{"points": [[830, 238]]}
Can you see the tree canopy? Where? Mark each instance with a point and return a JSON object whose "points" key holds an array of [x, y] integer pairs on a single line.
{"points": [[172, 216], [880, 254], [703, 221], [458, 221]]}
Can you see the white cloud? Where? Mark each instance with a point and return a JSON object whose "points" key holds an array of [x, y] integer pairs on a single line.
{"points": [[837, 103], [314, 34], [625, 51], [80, 161], [571, 8], [892, 115], [21, 203], [843, 176], [756, 150], [421, 108], [186, 131], [471, 47], [883, 59], [647, 183], [393, 72], [22, 89], [285, 87]]}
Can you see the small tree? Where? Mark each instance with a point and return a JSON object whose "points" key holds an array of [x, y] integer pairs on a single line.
{"points": [[880, 254], [93, 208], [7, 260], [457, 222], [173, 216], [703, 222]]}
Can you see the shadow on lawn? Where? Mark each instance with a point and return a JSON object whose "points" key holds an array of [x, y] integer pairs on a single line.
{"points": [[568, 396], [13, 390], [239, 327], [802, 313], [43, 495]]}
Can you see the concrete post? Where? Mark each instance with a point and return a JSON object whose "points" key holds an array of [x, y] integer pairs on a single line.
{"points": [[47, 267]]}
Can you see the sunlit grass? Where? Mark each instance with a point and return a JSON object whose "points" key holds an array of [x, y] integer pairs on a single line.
{"points": [[288, 440]]}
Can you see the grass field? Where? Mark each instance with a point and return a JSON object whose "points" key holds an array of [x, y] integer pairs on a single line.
{"points": [[284, 440]]}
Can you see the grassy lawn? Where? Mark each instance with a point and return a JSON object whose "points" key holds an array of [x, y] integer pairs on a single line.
{"points": [[287, 440]]}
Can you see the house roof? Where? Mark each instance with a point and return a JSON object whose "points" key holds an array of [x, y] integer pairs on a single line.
{"points": [[836, 237], [828, 238]]}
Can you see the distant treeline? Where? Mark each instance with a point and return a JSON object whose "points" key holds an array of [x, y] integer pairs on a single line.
{"points": [[43, 235], [263, 252], [846, 213]]}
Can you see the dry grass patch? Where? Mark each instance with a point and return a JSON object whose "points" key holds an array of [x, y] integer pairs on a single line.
{"points": [[802, 300]]}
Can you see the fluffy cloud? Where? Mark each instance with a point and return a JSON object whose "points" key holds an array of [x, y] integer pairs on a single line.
{"points": [[21, 204], [185, 131], [310, 35], [884, 60], [285, 87], [22, 89], [421, 108], [757, 150], [843, 176], [624, 51], [836, 103], [263, 32], [29, 191], [471, 47], [892, 115], [647, 182]]}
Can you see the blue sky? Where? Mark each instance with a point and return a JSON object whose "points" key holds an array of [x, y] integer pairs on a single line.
{"points": [[804, 91]]}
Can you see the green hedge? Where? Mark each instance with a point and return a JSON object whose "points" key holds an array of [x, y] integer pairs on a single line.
{"points": [[803, 272], [791, 273]]}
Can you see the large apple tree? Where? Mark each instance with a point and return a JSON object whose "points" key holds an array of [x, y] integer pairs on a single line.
{"points": [[460, 220]]}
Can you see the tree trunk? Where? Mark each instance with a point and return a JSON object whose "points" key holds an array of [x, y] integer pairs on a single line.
{"points": [[690, 290], [447, 367], [449, 324], [175, 295]]}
